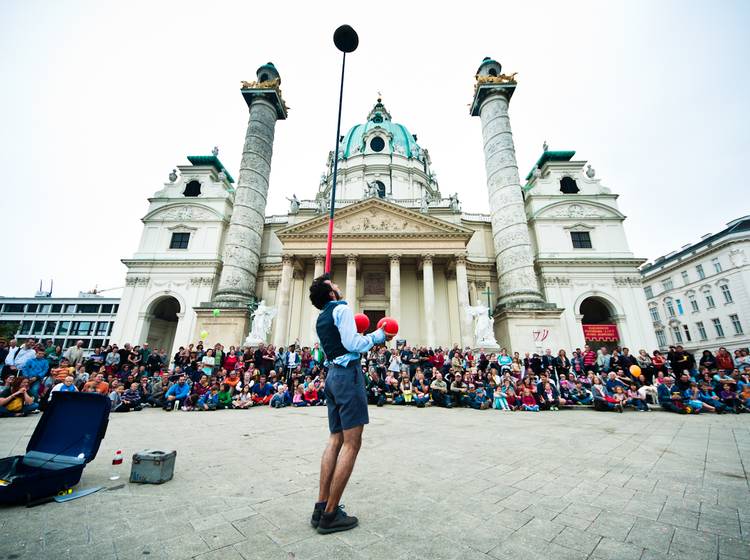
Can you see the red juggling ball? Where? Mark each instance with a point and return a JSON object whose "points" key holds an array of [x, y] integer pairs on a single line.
{"points": [[362, 321]]}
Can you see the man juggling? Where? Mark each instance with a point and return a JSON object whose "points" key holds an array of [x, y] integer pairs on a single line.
{"points": [[346, 398]]}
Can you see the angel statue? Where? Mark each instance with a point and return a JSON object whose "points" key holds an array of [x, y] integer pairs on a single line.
{"points": [[293, 204], [484, 335], [262, 318]]}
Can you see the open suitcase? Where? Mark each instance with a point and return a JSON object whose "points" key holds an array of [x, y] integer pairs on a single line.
{"points": [[66, 437]]}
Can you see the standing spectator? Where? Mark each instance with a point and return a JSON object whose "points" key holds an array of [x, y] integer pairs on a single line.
{"points": [[74, 354], [589, 359]]}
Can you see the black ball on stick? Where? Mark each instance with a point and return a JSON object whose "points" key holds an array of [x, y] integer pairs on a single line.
{"points": [[345, 39]]}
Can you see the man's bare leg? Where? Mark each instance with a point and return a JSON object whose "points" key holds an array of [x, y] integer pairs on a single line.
{"points": [[328, 464], [347, 456]]}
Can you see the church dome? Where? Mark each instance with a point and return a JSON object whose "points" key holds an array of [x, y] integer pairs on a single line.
{"points": [[379, 135]]}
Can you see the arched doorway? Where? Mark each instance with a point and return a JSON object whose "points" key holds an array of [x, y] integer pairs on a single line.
{"points": [[162, 323], [598, 320]]}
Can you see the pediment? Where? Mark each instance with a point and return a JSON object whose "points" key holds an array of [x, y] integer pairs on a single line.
{"points": [[578, 209], [182, 213], [376, 218]]}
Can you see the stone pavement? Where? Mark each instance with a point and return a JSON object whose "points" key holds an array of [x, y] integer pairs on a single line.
{"points": [[430, 483]]}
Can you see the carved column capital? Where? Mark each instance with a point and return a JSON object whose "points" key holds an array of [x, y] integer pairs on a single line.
{"points": [[461, 258], [395, 259], [287, 259], [427, 258], [320, 260], [352, 260]]}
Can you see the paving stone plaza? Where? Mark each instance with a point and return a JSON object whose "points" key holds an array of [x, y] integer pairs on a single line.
{"points": [[430, 483]]}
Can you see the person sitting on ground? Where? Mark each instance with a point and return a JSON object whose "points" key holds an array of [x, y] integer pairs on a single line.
{"points": [[482, 400], [439, 392], [262, 392], [406, 388], [636, 399], [499, 399], [311, 395], [278, 399], [729, 398], [708, 396], [548, 396], [692, 399], [225, 397], [15, 400], [118, 405], [299, 397], [603, 400], [528, 402], [176, 395], [210, 400], [375, 389], [580, 394], [243, 399], [421, 390], [670, 398], [132, 397], [97, 385], [458, 391], [197, 391]]}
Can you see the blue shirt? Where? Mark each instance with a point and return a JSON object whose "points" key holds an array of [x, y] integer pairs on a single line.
{"points": [[36, 367], [356, 343]]}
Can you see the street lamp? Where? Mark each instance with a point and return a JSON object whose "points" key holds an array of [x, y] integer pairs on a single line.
{"points": [[346, 40]]}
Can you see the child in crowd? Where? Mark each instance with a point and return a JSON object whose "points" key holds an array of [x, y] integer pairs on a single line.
{"points": [[580, 394], [528, 402], [729, 398], [278, 400], [693, 400], [243, 399], [210, 400], [636, 399], [311, 395], [299, 396], [225, 397], [406, 389], [500, 400]]}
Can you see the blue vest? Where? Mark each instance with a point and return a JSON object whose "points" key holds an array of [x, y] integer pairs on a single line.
{"points": [[328, 333]]}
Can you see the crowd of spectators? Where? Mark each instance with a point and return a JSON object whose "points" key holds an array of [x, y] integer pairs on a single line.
{"points": [[202, 378]]}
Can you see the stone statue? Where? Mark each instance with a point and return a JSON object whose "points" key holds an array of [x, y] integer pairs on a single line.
{"points": [[424, 203], [322, 203], [293, 204], [454, 203], [372, 190], [222, 175], [590, 172], [173, 176], [215, 151], [484, 335], [262, 318], [537, 172], [545, 146]]}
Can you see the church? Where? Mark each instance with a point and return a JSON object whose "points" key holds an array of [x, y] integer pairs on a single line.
{"points": [[550, 260]]}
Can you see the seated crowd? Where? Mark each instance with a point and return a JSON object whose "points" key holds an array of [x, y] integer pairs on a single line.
{"points": [[203, 379]]}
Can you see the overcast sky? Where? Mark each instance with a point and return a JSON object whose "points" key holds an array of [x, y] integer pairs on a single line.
{"points": [[100, 100]]}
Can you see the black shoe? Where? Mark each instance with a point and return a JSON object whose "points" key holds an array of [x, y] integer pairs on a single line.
{"points": [[317, 512], [336, 521]]}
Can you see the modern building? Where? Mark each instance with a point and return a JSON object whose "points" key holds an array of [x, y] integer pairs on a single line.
{"points": [[699, 295], [550, 259], [89, 318]]}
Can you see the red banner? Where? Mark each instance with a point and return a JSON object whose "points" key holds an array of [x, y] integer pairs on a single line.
{"points": [[600, 332]]}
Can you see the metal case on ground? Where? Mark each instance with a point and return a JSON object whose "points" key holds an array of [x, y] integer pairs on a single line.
{"points": [[153, 466]]}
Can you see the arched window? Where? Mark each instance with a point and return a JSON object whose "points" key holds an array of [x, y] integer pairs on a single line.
{"points": [[264, 77], [492, 72], [193, 188], [568, 185], [381, 189]]}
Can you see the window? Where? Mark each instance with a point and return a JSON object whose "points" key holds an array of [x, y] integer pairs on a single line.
{"points": [[25, 327], [677, 334], [377, 144], [701, 330], [101, 328], [716, 263], [654, 313], [56, 308], [670, 307], [70, 308], [38, 327], [179, 241], [45, 308], [31, 308], [726, 293], [679, 307], [687, 333], [661, 338], [193, 188], [87, 308], [693, 303], [709, 300], [701, 274], [667, 284], [581, 239], [685, 277], [81, 328], [50, 327], [736, 324], [381, 189], [115, 307], [718, 327], [649, 292], [107, 308], [64, 327], [568, 185], [13, 308]]}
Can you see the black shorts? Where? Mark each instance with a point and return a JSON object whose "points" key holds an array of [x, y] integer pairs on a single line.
{"points": [[346, 397]]}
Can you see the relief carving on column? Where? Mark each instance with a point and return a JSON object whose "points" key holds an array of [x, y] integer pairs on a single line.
{"points": [[287, 259], [461, 258], [395, 259], [140, 281], [273, 283], [427, 258], [352, 260]]}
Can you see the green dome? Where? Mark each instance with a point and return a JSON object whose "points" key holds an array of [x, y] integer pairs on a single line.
{"points": [[401, 141]]}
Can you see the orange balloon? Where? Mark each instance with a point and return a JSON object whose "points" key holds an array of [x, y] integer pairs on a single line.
{"points": [[635, 371]]}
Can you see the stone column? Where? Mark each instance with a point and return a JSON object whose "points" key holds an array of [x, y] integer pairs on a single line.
{"points": [[462, 286], [396, 287], [429, 300], [282, 312], [351, 281], [320, 262], [518, 283]]}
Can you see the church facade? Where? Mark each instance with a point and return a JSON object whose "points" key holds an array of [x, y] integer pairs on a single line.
{"points": [[550, 260]]}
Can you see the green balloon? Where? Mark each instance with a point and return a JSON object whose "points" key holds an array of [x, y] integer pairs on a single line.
{"points": [[216, 312]]}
